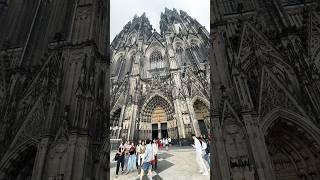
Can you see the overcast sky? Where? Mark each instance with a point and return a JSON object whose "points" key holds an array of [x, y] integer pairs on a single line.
{"points": [[122, 11]]}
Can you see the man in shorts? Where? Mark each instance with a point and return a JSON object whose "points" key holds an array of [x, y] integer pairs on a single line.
{"points": [[148, 156]]}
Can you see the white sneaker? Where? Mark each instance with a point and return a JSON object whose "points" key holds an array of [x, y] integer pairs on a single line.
{"points": [[205, 174], [200, 172]]}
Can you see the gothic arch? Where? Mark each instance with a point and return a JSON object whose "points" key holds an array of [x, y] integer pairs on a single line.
{"points": [[152, 97], [14, 159], [293, 144], [149, 106], [201, 108], [193, 38], [205, 101], [194, 41], [150, 50], [156, 60], [131, 52], [130, 37], [292, 117], [178, 41], [130, 60], [117, 56]]}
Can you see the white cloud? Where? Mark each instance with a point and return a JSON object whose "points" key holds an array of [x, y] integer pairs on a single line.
{"points": [[122, 11]]}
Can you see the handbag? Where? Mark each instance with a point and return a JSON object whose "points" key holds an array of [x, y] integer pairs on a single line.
{"points": [[116, 157], [153, 161]]}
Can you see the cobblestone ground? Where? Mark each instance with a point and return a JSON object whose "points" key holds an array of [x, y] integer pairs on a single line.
{"points": [[175, 164]]}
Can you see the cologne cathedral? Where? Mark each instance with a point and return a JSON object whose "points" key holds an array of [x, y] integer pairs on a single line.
{"points": [[160, 80], [53, 97], [254, 87], [265, 89]]}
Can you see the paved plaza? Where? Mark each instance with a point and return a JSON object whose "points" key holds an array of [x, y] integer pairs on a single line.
{"points": [[175, 164]]}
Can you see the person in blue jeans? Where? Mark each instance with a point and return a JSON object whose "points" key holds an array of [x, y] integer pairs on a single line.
{"points": [[132, 158], [207, 153], [126, 154], [148, 156]]}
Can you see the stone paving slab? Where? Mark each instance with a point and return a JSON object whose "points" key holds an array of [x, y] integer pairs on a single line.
{"points": [[175, 164]]}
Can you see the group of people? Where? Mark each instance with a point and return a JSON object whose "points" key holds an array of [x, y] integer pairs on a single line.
{"points": [[164, 142], [202, 148], [143, 156]]}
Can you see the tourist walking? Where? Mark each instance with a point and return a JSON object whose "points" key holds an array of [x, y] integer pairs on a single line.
{"points": [[169, 140], [148, 155], [120, 158], [158, 142], [199, 159], [204, 151], [126, 154], [132, 158], [138, 154], [155, 152], [166, 143], [161, 143], [142, 151]]}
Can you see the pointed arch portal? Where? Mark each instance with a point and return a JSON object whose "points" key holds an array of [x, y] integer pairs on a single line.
{"points": [[157, 120]]}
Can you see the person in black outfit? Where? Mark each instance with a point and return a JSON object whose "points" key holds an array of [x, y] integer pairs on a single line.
{"points": [[207, 155], [120, 158]]}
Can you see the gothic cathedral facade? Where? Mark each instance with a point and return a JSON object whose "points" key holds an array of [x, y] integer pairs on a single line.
{"points": [[160, 81], [53, 97], [265, 89], [257, 80]]}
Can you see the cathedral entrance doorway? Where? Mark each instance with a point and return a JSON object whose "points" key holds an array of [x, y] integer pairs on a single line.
{"points": [[21, 165], [159, 130], [157, 119], [202, 127], [164, 130], [293, 149], [159, 123], [202, 116], [155, 131]]}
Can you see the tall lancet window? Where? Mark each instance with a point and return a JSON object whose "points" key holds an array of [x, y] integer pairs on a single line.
{"points": [[131, 40], [179, 50], [121, 66], [129, 68], [195, 57], [156, 60], [194, 46], [179, 55]]}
